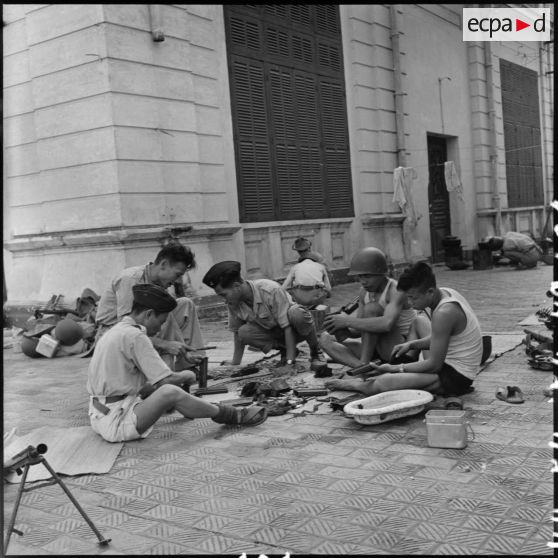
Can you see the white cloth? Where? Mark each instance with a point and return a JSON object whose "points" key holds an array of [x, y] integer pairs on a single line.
{"points": [[453, 182], [402, 193], [307, 273]]}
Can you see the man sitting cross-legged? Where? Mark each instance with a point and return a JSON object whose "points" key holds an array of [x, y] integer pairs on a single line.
{"points": [[126, 367], [382, 320], [453, 340]]}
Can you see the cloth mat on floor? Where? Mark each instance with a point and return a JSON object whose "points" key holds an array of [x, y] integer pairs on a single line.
{"points": [[71, 451]]}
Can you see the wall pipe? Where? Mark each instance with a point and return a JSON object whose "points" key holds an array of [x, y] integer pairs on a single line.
{"points": [[492, 131], [156, 21], [398, 93]]}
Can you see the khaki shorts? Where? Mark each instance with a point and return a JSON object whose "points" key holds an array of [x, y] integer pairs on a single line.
{"points": [[119, 425]]}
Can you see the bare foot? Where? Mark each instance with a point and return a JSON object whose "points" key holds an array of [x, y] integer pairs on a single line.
{"points": [[348, 385]]}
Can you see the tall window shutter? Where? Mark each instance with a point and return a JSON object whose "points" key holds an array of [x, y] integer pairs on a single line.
{"points": [[289, 111], [522, 134]]}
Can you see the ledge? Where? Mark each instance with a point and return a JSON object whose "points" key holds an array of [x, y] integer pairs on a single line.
{"points": [[510, 210], [382, 219], [113, 237]]}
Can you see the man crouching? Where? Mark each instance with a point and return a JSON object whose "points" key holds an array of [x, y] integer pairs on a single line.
{"points": [[125, 367]]}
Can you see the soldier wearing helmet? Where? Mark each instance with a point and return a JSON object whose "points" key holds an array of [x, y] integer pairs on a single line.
{"points": [[382, 320]]}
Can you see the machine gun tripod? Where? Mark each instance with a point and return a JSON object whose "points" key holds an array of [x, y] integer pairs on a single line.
{"points": [[20, 463]]}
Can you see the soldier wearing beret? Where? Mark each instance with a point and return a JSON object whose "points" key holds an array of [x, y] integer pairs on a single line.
{"points": [[129, 384], [181, 331], [263, 315]]}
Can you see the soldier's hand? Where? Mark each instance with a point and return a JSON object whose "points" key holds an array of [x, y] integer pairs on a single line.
{"points": [[175, 348]]}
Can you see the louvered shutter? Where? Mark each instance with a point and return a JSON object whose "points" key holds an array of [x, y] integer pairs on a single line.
{"points": [[286, 74], [522, 134]]}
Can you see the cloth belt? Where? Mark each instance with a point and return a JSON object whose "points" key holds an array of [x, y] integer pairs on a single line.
{"points": [[306, 287], [111, 399]]}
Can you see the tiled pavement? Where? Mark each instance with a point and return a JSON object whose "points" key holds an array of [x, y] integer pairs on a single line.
{"points": [[310, 483]]}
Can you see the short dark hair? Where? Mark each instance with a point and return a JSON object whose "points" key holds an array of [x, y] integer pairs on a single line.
{"points": [[174, 253], [419, 276], [138, 308], [229, 277]]}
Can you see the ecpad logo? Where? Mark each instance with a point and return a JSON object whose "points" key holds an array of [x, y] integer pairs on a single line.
{"points": [[506, 24]]}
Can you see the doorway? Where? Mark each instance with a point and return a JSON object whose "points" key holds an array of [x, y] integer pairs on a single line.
{"points": [[438, 197]]}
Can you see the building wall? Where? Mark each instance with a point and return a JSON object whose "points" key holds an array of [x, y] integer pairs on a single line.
{"points": [[112, 139], [113, 142]]}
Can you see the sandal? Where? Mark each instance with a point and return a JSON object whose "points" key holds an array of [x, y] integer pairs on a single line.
{"points": [[246, 416], [510, 394], [454, 403]]}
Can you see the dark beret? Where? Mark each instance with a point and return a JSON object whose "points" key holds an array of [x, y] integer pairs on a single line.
{"points": [[301, 243], [212, 277], [154, 297]]}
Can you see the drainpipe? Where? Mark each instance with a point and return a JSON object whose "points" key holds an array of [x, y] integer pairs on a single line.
{"points": [[156, 21], [398, 94], [492, 130], [543, 126]]}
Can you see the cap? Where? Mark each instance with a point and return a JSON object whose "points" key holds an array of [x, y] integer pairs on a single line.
{"points": [[213, 276], [154, 297], [89, 293], [301, 243]]}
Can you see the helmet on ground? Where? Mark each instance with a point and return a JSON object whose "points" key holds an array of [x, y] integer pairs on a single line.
{"points": [[29, 345], [495, 243], [369, 261], [68, 332]]}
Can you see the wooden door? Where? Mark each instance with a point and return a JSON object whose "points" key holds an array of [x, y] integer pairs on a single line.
{"points": [[438, 197]]}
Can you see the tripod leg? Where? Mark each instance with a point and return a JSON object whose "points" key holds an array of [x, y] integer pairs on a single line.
{"points": [[16, 507], [102, 540]]}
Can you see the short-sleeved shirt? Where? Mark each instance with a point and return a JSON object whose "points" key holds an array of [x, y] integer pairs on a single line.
{"points": [[517, 242], [116, 301], [124, 360], [309, 274], [271, 304]]}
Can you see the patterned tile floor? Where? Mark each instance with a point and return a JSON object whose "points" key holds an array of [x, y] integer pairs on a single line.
{"points": [[312, 483]]}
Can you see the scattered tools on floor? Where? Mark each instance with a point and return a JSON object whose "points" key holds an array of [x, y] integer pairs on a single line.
{"points": [[246, 371], [323, 371], [309, 392], [210, 391]]}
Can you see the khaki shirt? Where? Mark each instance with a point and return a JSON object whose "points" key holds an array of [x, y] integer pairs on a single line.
{"points": [[271, 304], [117, 300], [517, 242], [124, 360]]}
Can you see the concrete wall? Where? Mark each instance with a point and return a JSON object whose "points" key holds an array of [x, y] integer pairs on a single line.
{"points": [[113, 141], [112, 138]]}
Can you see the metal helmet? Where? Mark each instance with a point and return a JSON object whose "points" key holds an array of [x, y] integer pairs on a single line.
{"points": [[28, 346], [68, 331], [368, 261]]}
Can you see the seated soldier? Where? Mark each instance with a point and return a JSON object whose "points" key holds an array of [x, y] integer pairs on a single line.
{"points": [[263, 315], [130, 386], [519, 248], [453, 340], [181, 332], [308, 282], [382, 320]]}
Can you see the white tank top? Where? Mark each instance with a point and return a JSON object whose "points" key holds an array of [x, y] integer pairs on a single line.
{"points": [[465, 349], [407, 314]]}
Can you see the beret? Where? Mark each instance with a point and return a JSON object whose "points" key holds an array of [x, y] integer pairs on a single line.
{"points": [[301, 243], [154, 297], [215, 273]]}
